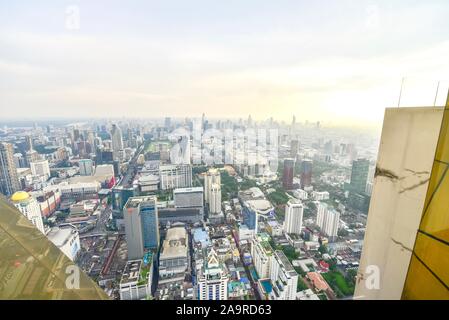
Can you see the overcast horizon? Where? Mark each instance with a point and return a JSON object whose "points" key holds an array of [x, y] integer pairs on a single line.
{"points": [[336, 63]]}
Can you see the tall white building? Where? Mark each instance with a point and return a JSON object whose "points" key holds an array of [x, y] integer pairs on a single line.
{"points": [[212, 177], [332, 220], [283, 277], [328, 220], [215, 199], [117, 140], [40, 168], [212, 279], [262, 253], [29, 208], [293, 217], [174, 176], [321, 211]]}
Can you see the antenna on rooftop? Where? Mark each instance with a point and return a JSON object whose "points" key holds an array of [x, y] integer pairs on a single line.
{"points": [[400, 92], [436, 94]]}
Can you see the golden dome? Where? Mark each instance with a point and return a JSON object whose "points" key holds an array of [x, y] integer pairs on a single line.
{"points": [[20, 196]]}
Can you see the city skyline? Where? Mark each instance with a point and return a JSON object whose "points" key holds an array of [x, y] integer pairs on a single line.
{"points": [[265, 59]]}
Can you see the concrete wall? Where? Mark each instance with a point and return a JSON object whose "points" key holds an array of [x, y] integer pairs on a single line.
{"points": [[406, 153]]}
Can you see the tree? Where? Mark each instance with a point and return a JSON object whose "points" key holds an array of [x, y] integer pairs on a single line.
{"points": [[322, 249]]}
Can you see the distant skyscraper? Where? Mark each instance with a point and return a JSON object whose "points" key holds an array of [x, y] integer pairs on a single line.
{"points": [[288, 172], [141, 225], [294, 148], [215, 199], [293, 217], [212, 177], [29, 208], [328, 220], [306, 173], [359, 175], [29, 143], [117, 140], [167, 123], [31, 156], [19, 160], [9, 181]]}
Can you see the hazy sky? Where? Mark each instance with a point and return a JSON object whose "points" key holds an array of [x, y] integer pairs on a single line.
{"points": [[334, 61]]}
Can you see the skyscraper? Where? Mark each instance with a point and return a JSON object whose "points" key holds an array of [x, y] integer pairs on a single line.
{"points": [[215, 199], [287, 174], [117, 140], [359, 175], [294, 148], [141, 225], [212, 177], [306, 173], [328, 220], [9, 181], [29, 143], [293, 217]]}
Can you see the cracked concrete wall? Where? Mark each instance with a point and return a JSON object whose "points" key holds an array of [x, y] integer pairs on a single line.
{"points": [[406, 153]]}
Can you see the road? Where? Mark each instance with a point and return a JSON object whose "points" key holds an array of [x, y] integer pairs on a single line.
{"points": [[128, 177]]}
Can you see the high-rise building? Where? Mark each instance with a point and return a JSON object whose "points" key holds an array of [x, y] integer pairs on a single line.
{"points": [[284, 277], [29, 208], [29, 143], [293, 217], [19, 160], [117, 141], [32, 156], [331, 224], [40, 168], [215, 199], [288, 173], [250, 218], [321, 209], [306, 173], [212, 177], [359, 175], [141, 225], [86, 167], [261, 253], [212, 279], [167, 123], [294, 148], [327, 219], [174, 176], [406, 241], [9, 181]]}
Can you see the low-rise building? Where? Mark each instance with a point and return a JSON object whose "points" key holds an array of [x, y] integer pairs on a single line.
{"points": [[136, 280]]}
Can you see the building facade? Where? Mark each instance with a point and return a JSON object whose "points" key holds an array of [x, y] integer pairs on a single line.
{"points": [[293, 217], [9, 181], [29, 208]]}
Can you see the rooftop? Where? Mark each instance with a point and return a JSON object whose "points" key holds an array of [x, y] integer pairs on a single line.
{"points": [[134, 202], [20, 196]]}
